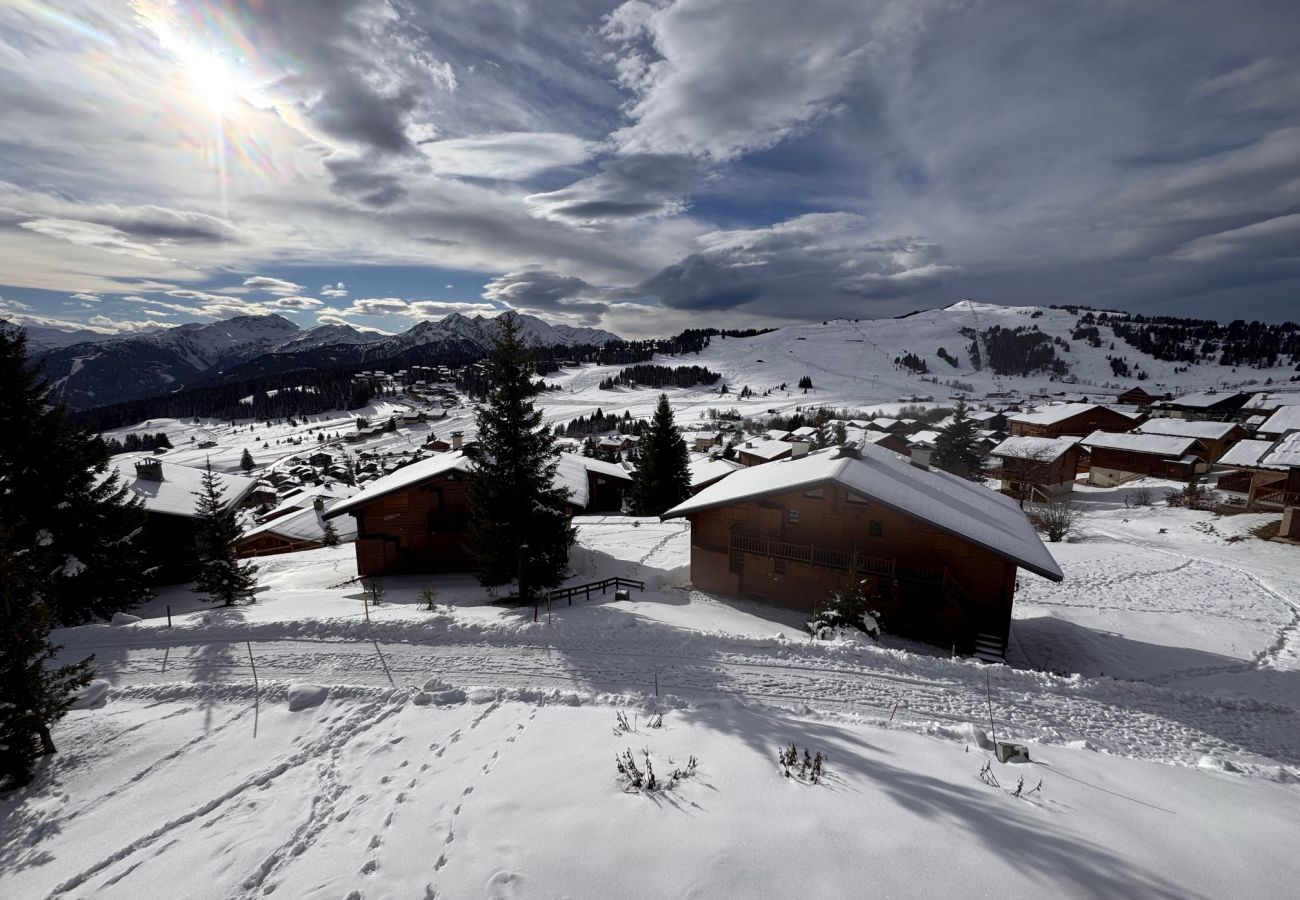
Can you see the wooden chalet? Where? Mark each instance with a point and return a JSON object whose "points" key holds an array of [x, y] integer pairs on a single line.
{"points": [[888, 440], [940, 552], [1120, 457], [1215, 437], [758, 452], [703, 441], [414, 519], [1266, 472], [1036, 468], [1283, 420], [1069, 420], [1139, 397], [296, 529], [166, 490], [1219, 406]]}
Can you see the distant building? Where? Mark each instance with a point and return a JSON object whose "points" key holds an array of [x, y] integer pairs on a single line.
{"points": [[1215, 437], [758, 452], [1212, 405], [1069, 420], [1117, 458], [1036, 468]]}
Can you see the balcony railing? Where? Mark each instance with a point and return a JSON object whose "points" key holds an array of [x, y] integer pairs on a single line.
{"points": [[748, 542]]}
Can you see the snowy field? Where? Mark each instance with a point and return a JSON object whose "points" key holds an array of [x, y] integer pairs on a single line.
{"points": [[468, 751]]}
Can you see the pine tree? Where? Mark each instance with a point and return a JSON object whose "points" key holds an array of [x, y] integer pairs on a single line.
{"points": [[956, 449], [840, 434], [220, 573], [329, 537], [517, 526], [246, 461], [33, 695], [663, 479], [72, 517]]}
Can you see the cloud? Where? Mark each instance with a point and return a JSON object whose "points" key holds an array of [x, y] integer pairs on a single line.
{"points": [[269, 285], [1276, 238], [92, 234], [505, 156], [413, 309], [86, 298], [815, 265], [627, 187], [105, 323], [334, 291], [363, 179], [296, 303]]}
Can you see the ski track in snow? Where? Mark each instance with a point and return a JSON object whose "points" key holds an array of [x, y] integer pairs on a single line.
{"points": [[1135, 719]]}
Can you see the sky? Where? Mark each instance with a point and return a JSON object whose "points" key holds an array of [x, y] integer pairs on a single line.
{"points": [[644, 166]]}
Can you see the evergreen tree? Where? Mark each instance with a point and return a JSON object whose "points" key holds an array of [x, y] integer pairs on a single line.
{"points": [[246, 461], [663, 479], [220, 575], [70, 515], [33, 695], [956, 449], [840, 434], [329, 537], [517, 526]]}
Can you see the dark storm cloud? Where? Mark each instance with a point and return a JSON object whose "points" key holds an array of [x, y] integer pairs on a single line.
{"points": [[364, 180]]}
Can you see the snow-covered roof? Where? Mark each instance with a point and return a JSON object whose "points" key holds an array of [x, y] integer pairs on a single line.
{"points": [[709, 469], [1285, 452], [1167, 445], [951, 504], [765, 449], [927, 436], [884, 422], [1272, 400], [174, 495], [804, 431], [1058, 412], [776, 434], [1287, 418], [570, 473], [405, 477], [1036, 448], [1207, 431], [305, 525], [1246, 454], [1203, 399]]}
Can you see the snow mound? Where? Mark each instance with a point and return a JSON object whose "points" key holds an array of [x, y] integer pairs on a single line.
{"points": [[304, 696], [482, 695], [439, 693], [121, 618], [92, 695]]}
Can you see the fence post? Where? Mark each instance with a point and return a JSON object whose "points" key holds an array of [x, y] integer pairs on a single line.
{"points": [[169, 615], [249, 645]]}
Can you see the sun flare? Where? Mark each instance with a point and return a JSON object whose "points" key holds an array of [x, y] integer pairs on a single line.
{"points": [[212, 82]]}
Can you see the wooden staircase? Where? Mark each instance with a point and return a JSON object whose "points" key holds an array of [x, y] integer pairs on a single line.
{"points": [[990, 648]]}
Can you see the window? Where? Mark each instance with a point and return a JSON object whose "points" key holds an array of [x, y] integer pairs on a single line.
{"points": [[875, 529], [856, 498], [792, 516], [815, 493]]}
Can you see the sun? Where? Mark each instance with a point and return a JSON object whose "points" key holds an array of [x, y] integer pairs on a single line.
{"points": [[212, 82]]}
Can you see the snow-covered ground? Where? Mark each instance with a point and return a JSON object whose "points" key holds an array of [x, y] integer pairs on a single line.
{"points": [[468, 751]]}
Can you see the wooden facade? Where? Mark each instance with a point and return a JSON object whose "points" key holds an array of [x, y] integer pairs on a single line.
{"points": [[268, 544], [793, 548], [418, 529], [1110, 467], [1037, 479]]}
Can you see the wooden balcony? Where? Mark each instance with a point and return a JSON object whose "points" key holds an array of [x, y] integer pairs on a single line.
{"points": [[811, 554]]}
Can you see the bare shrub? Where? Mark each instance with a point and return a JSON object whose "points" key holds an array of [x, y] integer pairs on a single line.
{"points": [[1139, 497], [1056, 519]]}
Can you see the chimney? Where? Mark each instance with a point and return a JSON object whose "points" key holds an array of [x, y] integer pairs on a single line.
{"points": [[457, 440], [920, 455], [798, 449], [318, 503], [149, 469]]}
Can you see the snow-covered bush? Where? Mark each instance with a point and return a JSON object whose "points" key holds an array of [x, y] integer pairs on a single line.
{"points": [[848, 606]]}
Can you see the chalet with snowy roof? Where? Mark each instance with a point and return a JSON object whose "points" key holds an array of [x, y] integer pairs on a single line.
{"points": [[1036, 468], [702, 441], [1215, 437], [320, 460], [1069, 420], [414, 520], [940, 552], [884, 423], [1219, 406], [166, 491], [1266, 472], [887, 440], [1284, 420], [1120, 457], [757, 452], [1140, 397], [709, 470], [300, 528]]}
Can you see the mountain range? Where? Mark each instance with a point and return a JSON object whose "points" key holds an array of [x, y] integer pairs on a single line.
{"points": [[97, 371]]}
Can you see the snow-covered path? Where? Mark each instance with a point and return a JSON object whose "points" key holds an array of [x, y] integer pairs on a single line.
{"points": [[1132, 719]]}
